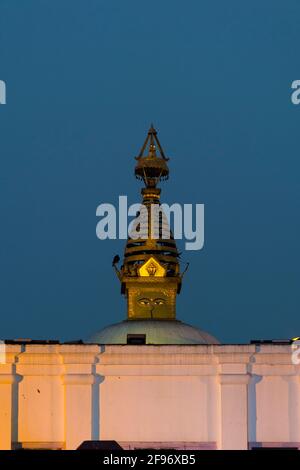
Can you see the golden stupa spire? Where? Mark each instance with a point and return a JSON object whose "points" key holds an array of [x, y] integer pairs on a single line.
{"points": [[150, 275]]}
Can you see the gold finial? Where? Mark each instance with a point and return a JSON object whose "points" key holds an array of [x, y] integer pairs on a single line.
{"points": [[151, 168]]}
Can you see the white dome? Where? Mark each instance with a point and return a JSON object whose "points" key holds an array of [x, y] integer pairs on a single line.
{"points": [[156, 331]]}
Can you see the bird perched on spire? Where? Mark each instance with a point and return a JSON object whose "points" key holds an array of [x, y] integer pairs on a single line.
{"points": [[115, 260]]}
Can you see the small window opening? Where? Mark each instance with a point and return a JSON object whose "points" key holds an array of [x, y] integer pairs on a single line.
{"points": [[136, 339]]}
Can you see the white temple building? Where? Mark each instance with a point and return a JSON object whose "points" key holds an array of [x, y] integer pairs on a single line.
{"points": [[143, 396]]}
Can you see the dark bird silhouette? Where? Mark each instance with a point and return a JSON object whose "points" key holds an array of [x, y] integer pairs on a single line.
{"points": [[116, 260]]}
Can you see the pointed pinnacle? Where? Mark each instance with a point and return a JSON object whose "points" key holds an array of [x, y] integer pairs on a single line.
{"points": [[152, 130]]}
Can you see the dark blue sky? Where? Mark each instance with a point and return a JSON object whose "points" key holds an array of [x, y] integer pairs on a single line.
{"points": [[84, 81]]}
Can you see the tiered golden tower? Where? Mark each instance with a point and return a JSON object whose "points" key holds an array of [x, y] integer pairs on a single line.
{"points": [[150, 275]]}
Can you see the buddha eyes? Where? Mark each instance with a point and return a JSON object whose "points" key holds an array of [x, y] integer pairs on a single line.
{"points": [[146, 301]]}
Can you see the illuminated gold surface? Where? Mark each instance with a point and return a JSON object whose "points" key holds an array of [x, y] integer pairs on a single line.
{"points": [[152, 268], [151, 300]]}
